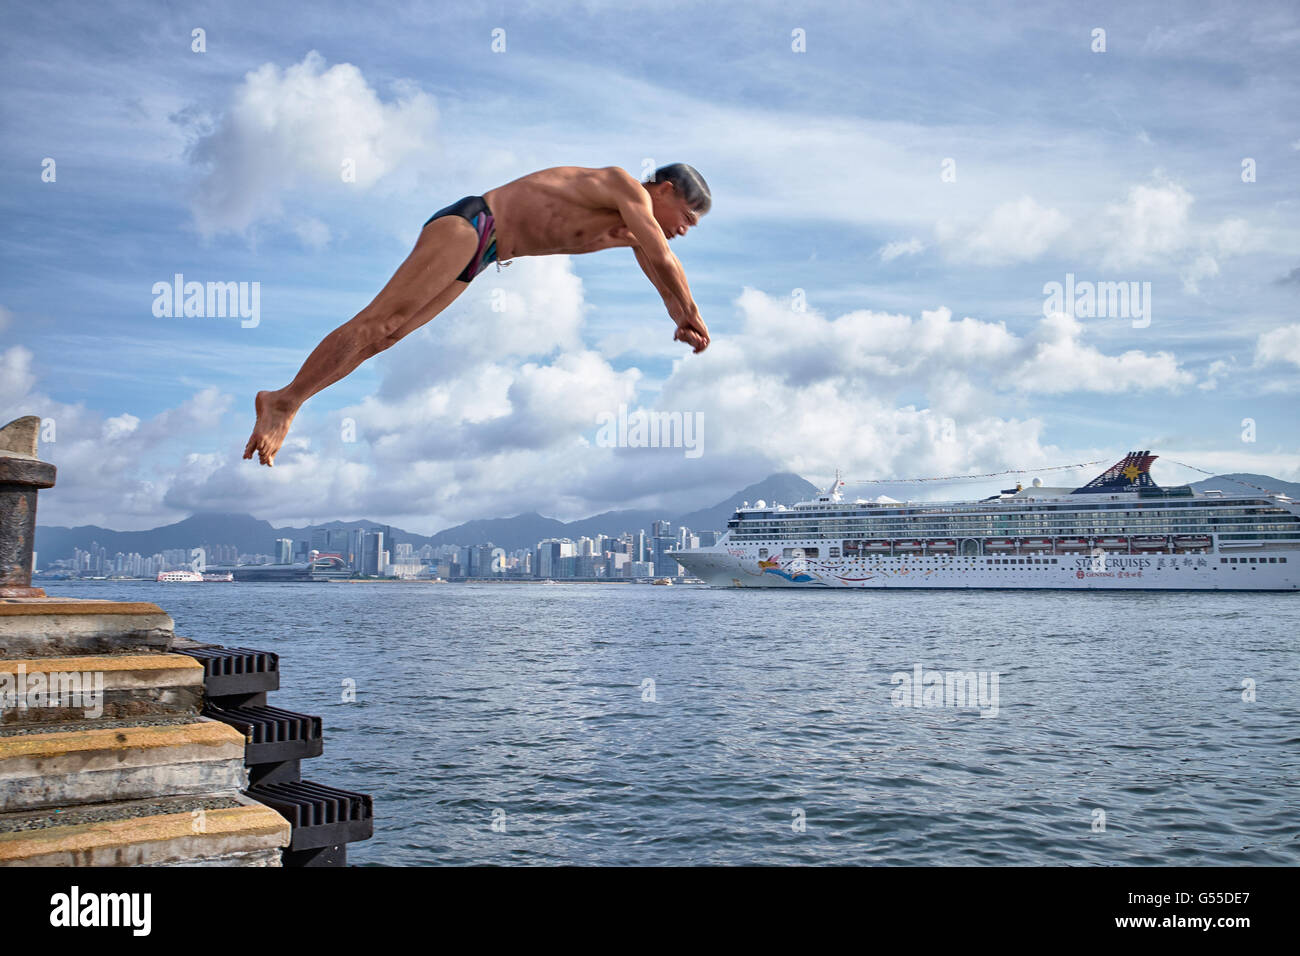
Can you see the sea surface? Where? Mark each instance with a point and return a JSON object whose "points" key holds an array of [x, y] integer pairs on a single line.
{"points": [[633, 724]]}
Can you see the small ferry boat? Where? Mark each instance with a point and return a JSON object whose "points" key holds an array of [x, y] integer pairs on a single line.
{"points": [[175, 576]]}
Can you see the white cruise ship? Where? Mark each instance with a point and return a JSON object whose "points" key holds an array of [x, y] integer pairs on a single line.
{"points": [[1119, 531]]}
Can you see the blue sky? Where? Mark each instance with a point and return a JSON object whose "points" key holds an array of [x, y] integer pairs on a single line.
{"points": [[920, 172]]}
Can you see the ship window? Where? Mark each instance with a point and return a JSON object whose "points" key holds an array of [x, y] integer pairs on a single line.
{"points": [[1281, 560], [762, 552], [1223, 560]]}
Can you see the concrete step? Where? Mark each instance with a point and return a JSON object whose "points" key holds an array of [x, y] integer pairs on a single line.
{"points": [[109, 686], [221, 829], [95, 763], [55, 627]]}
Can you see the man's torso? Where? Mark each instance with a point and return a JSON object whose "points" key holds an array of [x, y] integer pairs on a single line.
{"points": [[564, 209]]}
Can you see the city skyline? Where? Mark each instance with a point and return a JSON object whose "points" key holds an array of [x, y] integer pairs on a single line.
{"points": [[628, 554]]}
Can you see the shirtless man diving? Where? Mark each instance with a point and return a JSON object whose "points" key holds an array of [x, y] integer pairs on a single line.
{"points": [[562, 210]]}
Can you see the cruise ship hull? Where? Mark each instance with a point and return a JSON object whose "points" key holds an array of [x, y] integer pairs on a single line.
{"points": [[731, 566]]}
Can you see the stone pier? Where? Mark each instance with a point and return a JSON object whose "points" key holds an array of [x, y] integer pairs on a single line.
{"points": [[105, 756]]}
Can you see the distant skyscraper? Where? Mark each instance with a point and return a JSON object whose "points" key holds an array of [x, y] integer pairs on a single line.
{"points": [[356, 549], [550, 558], [372, 555], [283, 550], [663, 543]]}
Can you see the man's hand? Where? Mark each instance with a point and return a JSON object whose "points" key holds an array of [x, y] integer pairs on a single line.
{"points": [[693, 332]]}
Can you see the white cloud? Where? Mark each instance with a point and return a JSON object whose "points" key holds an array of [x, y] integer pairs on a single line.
{"points": [[1018, 231], [1230, 237], [115, 429], [901, 247], [16, 379], [1148, 226], [1279, 345], [935, 352], [1059, 362], [1203, 267], [312, 233], [1218, 368], [298, 127]]}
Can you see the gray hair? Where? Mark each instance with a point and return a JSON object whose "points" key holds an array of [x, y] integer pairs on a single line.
{"points": [[688, 182]]}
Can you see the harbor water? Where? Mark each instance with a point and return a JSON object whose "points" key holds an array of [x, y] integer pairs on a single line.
{"points": [[631, 724]]}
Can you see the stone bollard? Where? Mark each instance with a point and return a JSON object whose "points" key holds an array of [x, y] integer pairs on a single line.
{"points": [[22, 474]]}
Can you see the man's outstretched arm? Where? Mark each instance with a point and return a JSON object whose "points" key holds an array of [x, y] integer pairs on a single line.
{"points": [[658, 262]]}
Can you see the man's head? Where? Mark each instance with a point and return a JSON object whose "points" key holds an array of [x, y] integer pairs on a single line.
{"points": [[680, 196]]}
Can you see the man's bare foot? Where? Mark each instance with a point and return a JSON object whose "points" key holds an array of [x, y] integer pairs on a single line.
{"points": [[274, 415]]}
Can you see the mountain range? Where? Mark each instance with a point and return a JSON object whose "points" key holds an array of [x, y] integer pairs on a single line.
{"points": [[255, 536]]}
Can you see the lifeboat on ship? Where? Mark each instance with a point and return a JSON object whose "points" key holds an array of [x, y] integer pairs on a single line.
{"points": [[1192, 541], [1113, 543], [1066, 545], [941, 544], [875, 547], [1037, 544], [1000, 544], [907, 544], [1150, 542]]}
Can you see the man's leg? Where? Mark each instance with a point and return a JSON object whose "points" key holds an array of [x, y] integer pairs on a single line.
{"points": [[423, 286]]}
